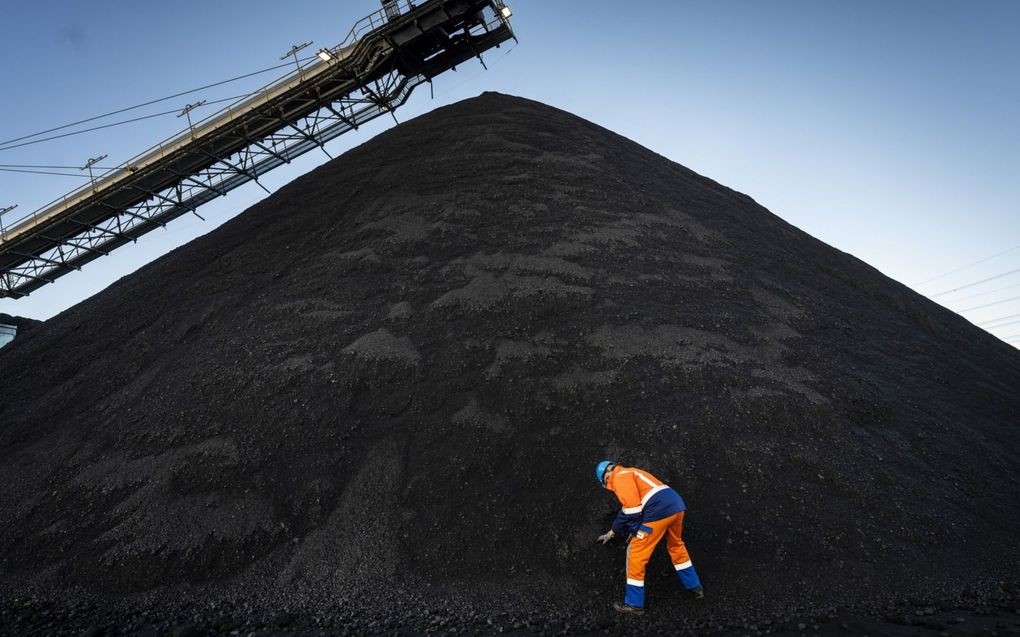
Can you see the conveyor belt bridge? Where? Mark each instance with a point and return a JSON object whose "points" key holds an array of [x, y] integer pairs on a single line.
{"points": [[371, 73]]}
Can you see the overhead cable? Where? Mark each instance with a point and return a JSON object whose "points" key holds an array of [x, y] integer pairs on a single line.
{"points": [[1007, 323], [978, 307], [974, 296], [969, 265], [120, 123], [48, 166], [962, 287], [1001, 318], [150, 102], [42, 172]]}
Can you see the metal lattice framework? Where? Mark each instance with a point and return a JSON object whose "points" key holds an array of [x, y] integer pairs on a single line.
{"points": [[371, 73]]}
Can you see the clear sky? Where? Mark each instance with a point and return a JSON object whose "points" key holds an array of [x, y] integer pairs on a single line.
{"points": [[889, 130]]}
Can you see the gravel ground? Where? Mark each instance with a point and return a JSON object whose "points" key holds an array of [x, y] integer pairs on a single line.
{"points": [[79, 613], [377, 396]]}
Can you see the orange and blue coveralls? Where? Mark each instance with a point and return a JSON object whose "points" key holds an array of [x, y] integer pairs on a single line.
{"points": [[650, 511]]}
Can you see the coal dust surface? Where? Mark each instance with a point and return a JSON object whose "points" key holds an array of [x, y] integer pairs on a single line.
{"points": [[378, 397], [23, 324]]}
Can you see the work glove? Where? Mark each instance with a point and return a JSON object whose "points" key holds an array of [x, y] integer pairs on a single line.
{"points": [[605, 537]]}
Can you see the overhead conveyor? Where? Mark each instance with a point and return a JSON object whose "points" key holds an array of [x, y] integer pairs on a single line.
{"points": [[371, 73]]}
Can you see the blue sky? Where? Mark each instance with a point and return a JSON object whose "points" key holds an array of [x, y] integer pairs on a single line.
{"points": [[888, 130]]}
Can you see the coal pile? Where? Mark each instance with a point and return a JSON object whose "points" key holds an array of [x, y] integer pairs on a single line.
{"points": [[382, 390], [23, 324]]}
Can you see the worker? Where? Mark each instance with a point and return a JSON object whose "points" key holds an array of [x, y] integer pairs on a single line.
{"points": [[650, 511]]}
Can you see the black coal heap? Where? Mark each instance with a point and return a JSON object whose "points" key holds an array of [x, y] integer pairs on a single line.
{"points": [[390, 381], [23, 324]]}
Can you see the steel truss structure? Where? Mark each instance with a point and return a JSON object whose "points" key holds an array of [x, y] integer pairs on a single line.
{"points": [[372, 73]]}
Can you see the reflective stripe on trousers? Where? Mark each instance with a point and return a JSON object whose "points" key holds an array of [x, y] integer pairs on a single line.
{"points": [[640, 548]]}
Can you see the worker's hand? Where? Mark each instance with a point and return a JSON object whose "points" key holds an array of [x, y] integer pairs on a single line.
{"points": [[605, 537]]}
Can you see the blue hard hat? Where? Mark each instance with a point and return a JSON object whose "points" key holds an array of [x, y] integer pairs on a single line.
{"points": [[600, 470]]}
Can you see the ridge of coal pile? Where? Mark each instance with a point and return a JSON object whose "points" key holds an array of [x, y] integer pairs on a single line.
{"points": [[386, 385], [23, 324]]}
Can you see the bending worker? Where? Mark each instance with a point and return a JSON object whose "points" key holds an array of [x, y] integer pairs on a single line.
{"points": [[650, 511]]}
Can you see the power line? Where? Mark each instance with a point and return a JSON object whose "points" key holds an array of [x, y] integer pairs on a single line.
{"points": [[150, 102], [41, 172], [120, 123], [969, 265], [86, 130], [47, 166], [962, 287], [1007, 323], [978, 307], [479, 73], [1001, 318], [974, 296]]}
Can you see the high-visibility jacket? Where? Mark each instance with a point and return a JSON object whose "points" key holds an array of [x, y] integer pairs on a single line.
{"points": [[644, 498]]}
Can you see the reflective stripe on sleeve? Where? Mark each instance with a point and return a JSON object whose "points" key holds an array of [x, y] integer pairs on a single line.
{"points": [[681, 567], [647, 481], [635, 582], [633, 510]]}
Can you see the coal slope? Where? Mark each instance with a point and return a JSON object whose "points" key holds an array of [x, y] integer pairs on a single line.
{"points": [[23, 324], [386, 386]]}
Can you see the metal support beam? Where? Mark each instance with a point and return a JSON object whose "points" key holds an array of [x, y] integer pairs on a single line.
{"points": [[44, 260]]}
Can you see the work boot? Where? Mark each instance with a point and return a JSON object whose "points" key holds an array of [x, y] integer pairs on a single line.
{"points": [[627, 609], [699, 592]]}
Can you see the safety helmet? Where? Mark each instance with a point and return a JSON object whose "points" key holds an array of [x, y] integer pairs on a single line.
{"points": [[601, 468]]}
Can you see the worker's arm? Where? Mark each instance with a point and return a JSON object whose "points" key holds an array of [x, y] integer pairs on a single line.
{"points": [[629, 517], [625, 524]]}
